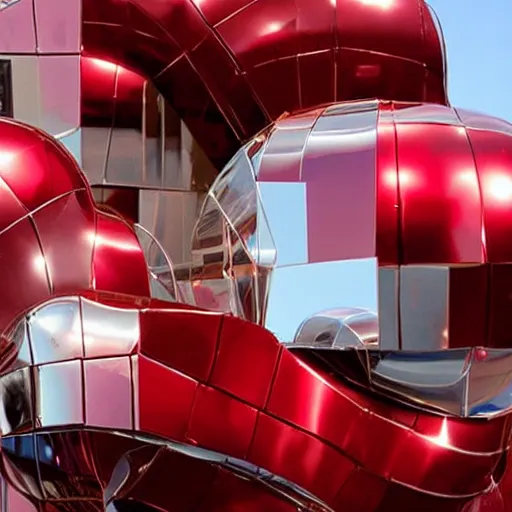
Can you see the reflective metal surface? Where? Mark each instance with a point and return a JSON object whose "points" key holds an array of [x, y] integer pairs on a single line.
{"points": [[337, 205], [232, 373], [269, 246], [364, 225], [245, 63]]}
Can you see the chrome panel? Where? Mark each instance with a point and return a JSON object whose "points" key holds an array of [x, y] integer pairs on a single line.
{"points": [[158, 213], [424, 317], [59, 396], [108, 393], [161, 270], [16, 411], [339, 328], [55, 331], [109, 331], [389, 326]]}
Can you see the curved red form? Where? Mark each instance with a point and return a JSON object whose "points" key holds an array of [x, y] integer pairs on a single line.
{"points": [[236, 391], [418, 189], [52, 238], [230, 67], [44, 200], [108, 90], [150, 385]]}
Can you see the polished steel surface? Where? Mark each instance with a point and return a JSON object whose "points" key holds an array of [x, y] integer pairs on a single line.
{"points": [[391, 207], [233, 374], [250, 260], [301, 270], [228, 53]]}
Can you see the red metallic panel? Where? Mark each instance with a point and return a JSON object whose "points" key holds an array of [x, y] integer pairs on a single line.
{"points": [[294, 54], [221, 423], [403, 415], [469, 293], [183, 490], [216, 139], [35, 167], [410, 499], [22, 262], [121, 201], [440, 199], [69, 265], [499, 297], [246, 361], [180, 18], [375, 443], [150, 39], [118, 261], [311, 66], [262, 32], [483, 437], [352, 18], [299, 457], [388, 207], [283, 93], [98, 81], [493, 158], [233, 494], [307, 410], [421, 461], [350, 495], [181, 339], [12, 209], [165, 414], [229, 89], [107, 454], [318, 29]]}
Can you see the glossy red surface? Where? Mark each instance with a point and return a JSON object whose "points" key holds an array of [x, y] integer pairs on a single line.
{"points": [[231, 67], [118, 260], [441, 199], [211, 386], [442, 183], [310, 424], [441, 187], [451, 192], [45, 204], [430, 194], [110, 93], [235, 390]]}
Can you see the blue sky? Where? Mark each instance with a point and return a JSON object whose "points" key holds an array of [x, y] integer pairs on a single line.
{"points": [[479, 41]]}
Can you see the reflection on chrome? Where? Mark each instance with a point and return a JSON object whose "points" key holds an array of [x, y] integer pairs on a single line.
{"points": [[279, 242], [340, 328], [471, 383], [261, 242], [161, 271], [357, 231], [474, 382]]}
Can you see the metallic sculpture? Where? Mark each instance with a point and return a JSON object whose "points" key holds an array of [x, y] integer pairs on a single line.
{"points": [[251, 259]]}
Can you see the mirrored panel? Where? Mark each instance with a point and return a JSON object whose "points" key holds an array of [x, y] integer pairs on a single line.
{"points": [[55, 331], [59, 394]]}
